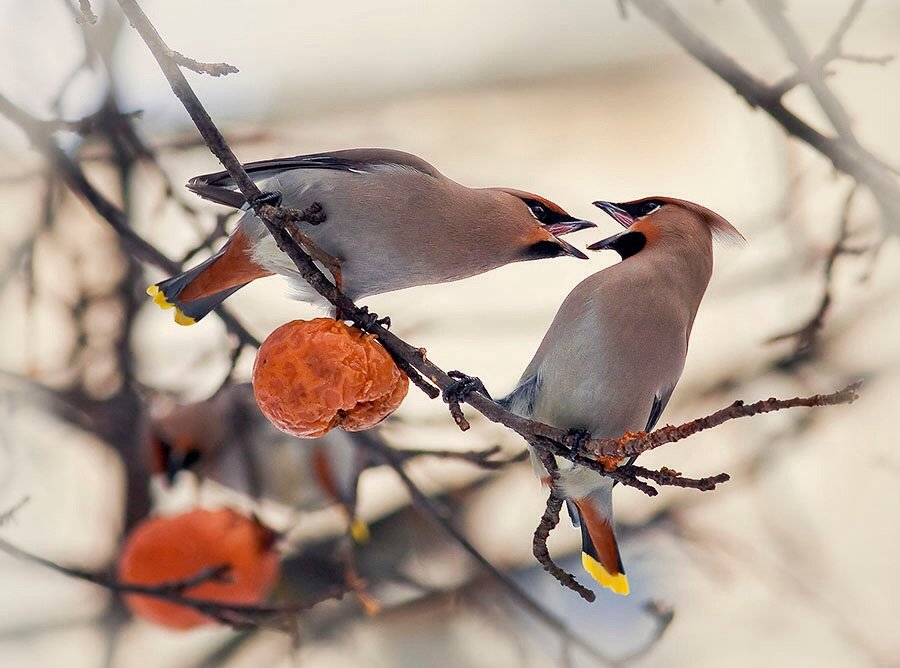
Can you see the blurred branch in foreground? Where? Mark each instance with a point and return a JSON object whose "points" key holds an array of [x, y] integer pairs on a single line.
{"points": [[237, 616]]}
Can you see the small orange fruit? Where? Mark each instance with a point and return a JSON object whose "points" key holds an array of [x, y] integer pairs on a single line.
{"points": [[172, 549], [313, 375]]}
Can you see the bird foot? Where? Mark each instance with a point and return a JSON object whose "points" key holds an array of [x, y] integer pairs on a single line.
{"points": [[368, 321], [269, 197], [576, 438], [462, 386]]}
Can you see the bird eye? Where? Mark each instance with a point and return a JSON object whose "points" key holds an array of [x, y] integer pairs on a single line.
{"points": [[539, 211], [649, 207]]}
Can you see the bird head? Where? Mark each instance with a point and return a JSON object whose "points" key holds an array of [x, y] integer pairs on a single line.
{"points": [[169, 457], [182, 436], [663, 221], [544, 222]]}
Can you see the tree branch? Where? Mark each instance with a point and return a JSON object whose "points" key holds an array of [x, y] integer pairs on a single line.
{"points": [[87, 14], [41, 137], [394, 459], [847, 157], [212, 69], [806, 336], [634, 443], [549, 521], [235, 615]]}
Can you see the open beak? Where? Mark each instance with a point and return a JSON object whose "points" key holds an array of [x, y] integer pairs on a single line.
{"points": [[618, 214], [569, 249], [569, 226], [608, 242]]}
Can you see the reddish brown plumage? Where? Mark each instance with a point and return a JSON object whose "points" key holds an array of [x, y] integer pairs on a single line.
{"points": [[233, 268], [524, 194], [719, 228], [602, 536]]}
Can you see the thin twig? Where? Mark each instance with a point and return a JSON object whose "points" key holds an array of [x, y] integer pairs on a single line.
{"points": [[76, 180], [636, 443], [87, 14], [847, 157], [806, 336], [212, 69], [548, 522], [425, 506], [481, 458], [232, 614], [772, 15]]}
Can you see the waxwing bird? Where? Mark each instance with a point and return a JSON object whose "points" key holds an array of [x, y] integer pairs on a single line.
{"points": [[226, 439], [392, 222], [615, 351]]}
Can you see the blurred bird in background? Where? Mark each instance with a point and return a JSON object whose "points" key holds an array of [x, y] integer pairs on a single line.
{"points": [[226, 439], [616, 350], [392, 222]]}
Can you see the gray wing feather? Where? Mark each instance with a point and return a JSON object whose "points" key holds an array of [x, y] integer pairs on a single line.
{"points": [[659, 405], [220, 187], [521, 400]]}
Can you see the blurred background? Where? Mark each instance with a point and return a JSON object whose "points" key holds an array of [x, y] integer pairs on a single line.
{"points": [[793, 562]]}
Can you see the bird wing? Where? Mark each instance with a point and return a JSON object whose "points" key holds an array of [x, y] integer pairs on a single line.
{"points": [[219, 187], [660, 399], [521, 400]]}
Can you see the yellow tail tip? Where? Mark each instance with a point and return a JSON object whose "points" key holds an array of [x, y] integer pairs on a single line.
{"points": [[617, 583], [359, 531], [160, 300], [182, 319]]}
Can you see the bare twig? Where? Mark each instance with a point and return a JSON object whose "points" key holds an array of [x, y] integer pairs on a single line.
{"points": [[806, 336], [76, 180], [481, 458], [809, 69], [9, 513], [832, 51], [236, 615], [212, 69], [636, 443], [87, 15], [846, 156], [424, 505], [548, 522]]}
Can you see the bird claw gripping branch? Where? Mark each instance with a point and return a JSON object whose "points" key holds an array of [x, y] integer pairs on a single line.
{"points": [[576, 438], [463, 386], [458, 391], [272, 198], [368, 321]]}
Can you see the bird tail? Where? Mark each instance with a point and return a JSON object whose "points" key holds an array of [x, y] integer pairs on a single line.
{"points": [[199, 290], [599, 550]]}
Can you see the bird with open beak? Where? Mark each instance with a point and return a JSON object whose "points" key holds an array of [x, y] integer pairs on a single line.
{"points": [[616, 350], [392, 222]]}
